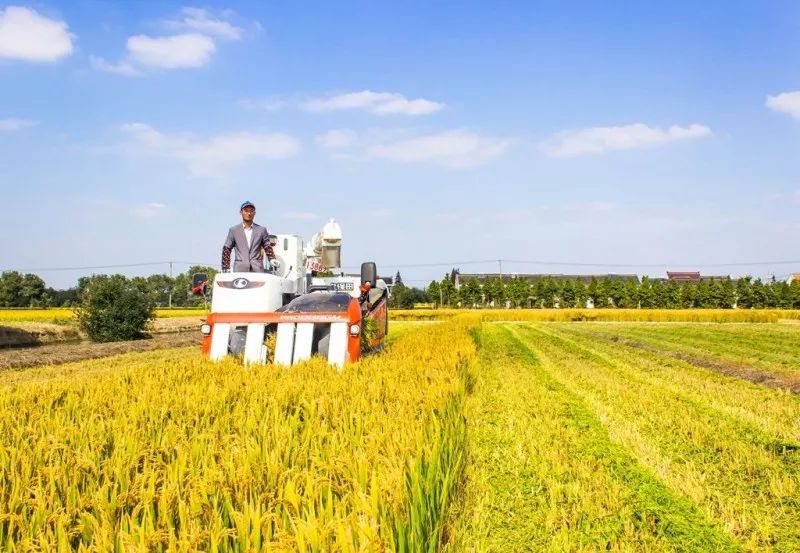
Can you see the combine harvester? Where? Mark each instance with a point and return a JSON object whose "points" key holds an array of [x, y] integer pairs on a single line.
{"points": [[336, 317]]}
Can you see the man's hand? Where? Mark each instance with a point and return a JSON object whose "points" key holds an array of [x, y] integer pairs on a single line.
{"points": [[274, 264]]}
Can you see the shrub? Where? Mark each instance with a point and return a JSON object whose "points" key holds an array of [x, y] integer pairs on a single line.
{"points": [[113, 308]]}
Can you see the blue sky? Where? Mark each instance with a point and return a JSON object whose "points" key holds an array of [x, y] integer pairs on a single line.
{"points": [[650, 137]]}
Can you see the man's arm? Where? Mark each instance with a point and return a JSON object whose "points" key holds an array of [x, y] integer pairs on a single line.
{"points": [[226, 252], [267, 245]]}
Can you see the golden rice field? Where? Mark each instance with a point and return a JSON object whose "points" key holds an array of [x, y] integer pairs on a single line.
{"points": [[67, 316], [463, 435]]}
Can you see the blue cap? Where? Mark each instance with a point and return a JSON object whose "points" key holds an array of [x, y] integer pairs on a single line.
{"points": [[247, 204]]}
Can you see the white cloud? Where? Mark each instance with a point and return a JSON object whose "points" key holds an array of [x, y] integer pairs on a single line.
{"points": [[214, 156], [148, 210], [786, 102], [202, 21], [26, 35], [457, 148], [337, 138], [602, 139], [262, 104], [381, 103], [171, 52], [143, 52], [122, 68], [15, 124]]}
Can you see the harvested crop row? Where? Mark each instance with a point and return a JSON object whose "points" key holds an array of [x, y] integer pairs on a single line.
{"points": [[746, 479], [168, 451], [544, 475], [773, 411], [772, 348]]}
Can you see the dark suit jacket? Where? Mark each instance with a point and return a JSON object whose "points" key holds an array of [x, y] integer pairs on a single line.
{"points": [[248, 259]]}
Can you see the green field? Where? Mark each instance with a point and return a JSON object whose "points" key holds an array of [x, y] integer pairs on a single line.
{"points": [[584, 437]]}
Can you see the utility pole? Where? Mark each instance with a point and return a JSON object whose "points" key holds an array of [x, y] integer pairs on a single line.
{"points": [[500, 264], [170, 284]]}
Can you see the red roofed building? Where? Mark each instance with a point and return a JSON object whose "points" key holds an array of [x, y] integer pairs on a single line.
{"points": [[686, 276], [692, 276]]}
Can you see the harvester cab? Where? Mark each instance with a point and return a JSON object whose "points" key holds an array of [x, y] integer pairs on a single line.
{"points": [[302, 308]]}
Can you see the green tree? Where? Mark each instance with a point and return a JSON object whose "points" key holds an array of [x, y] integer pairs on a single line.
{"points": [[404, 297], [470, 293], [781, 294], [616, 292], [688, 295], [566, 294], [492, 288], [702, 296], [646, 295], [518, 291], [11, 289], [548, 292], [744, 293], [716, 294], [660, 295], [759, 294], [114, 308], [448, 290], [728, 295], [500, 292], [630, 299], [63, 298], [160, 287], [32, 290], [591, 291], [434, 291], [398, 298], [794, 288], [579, 289], [673, 292]]}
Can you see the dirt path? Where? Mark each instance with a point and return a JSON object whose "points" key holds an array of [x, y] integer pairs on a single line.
{"points": [[55, 354]]}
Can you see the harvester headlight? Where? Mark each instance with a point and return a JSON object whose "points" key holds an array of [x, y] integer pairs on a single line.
{"points": [[205, 329], [354, 329]]}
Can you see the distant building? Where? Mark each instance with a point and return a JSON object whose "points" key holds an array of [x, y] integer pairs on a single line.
{"points": [[691, 276], [684, 276], [793, 277]]}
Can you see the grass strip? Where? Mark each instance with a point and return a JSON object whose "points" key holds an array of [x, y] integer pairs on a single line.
{"points": [[774, 412], [771, 348], [544, 475], [744, 479]]}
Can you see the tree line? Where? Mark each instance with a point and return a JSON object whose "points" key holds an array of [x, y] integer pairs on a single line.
{"points": [[547, 292], [29, 290]]}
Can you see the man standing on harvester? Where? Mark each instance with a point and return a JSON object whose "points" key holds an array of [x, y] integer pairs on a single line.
{"points": [[251, 242]]}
